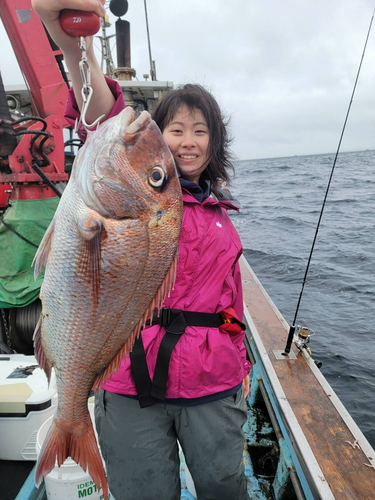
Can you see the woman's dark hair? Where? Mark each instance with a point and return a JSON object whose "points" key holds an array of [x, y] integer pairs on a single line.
{"points": [[197, 97]]}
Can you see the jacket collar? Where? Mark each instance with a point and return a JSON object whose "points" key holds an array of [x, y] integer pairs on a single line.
{"points": [[211, 200], [199, 191]]}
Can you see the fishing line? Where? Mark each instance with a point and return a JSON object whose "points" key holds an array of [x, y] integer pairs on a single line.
{"points": [[293, 325]]}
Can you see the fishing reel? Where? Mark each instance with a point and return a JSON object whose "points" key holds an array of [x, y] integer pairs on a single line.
{"points": [[302, 339]]}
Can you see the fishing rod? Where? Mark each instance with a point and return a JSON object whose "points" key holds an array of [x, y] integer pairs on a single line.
{"points": [[304, 333]]}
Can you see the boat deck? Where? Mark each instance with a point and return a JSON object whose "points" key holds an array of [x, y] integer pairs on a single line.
{"points": [[12, 476], [339, 462]]}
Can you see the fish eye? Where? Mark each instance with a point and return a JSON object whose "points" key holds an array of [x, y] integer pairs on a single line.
{"points": [[156, 176]]}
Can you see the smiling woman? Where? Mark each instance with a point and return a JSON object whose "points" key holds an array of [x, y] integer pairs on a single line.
{"points": [[186, 377]]}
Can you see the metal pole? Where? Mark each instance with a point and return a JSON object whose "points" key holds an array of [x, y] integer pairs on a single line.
{"points": [[152, 63], [106, 51]]}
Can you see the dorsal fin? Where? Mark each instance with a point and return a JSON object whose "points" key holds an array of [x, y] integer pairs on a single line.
{"points": [[156, 302]]}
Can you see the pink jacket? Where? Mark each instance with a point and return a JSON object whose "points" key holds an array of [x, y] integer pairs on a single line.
{"points": [[205, 360]]}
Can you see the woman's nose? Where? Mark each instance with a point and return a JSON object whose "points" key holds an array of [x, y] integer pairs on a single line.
{"points": [[188, 141]]}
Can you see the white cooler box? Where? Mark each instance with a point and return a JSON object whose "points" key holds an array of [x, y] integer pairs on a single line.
{"points": [[26, 402]]}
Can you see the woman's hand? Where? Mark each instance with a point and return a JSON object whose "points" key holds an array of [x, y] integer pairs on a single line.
{"points": [[49, 12], [246, 386]]}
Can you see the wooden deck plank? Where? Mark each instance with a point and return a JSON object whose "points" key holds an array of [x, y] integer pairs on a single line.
{"points": [[325, 430]]}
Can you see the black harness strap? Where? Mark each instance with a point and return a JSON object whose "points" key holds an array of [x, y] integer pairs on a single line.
{"points": [[173, 332], [141, 375], [175, 322]]}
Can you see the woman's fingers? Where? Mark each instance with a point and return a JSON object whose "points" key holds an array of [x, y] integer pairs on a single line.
{"points": [[50, 10]]}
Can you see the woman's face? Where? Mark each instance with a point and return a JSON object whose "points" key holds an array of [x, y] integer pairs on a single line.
{"points": [[188, 138]]}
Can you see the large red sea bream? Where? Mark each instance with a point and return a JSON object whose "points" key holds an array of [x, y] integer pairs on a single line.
{"points": [[110, 257]]}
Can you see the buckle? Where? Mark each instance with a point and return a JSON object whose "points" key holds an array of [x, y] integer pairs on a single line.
{"points": [[225, 319], [165, 316]]}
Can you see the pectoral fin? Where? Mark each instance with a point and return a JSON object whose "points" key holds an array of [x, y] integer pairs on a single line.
{"points": [[41, 256], [90, 255]]}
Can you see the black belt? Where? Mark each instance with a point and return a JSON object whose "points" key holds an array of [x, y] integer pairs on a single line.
{"points": [[175, 322]]}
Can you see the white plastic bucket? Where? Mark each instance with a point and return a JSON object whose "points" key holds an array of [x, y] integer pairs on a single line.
{"points": [[188, 479], [190, 483], [69, 481]]}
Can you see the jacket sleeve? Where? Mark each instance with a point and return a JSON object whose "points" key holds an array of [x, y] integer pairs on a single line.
{"points": [[238, 307], [72, 112]]}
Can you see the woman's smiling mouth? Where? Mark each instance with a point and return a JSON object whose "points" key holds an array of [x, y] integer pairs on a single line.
{"points": [[188, 157]]}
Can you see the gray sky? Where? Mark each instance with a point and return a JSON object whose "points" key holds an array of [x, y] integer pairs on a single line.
{"points": [[283, 71]]}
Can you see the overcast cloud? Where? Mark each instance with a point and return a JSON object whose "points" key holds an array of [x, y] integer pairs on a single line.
{"points": [[283, 71]]}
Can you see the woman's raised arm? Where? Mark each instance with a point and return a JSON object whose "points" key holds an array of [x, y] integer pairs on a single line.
{"points": [[49, 12]]}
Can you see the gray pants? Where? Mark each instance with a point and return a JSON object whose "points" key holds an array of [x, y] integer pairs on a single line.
{"points": [[140, 447]]}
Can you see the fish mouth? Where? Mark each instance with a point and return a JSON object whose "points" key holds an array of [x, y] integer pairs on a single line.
{"points": [[139, 123], [130, 128]]}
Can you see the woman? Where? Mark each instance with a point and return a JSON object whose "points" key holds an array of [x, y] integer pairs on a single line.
{"points": [[190, 386]]}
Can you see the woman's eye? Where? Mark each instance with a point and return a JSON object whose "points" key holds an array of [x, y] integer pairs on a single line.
{"points": [[156, 176]]}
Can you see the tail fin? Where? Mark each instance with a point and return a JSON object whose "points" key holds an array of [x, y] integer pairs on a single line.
{"points": [[82, 448]]}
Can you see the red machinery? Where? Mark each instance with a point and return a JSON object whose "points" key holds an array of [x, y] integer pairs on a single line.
{"points": [[30, 170], [31, 166]]}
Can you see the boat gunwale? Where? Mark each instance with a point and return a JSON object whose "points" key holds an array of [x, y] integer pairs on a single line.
{"points": [[364, 444], [309, 466], [331, 423]]}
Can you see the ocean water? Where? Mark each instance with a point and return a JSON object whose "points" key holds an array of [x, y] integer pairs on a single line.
{"points": [[281, 200]]}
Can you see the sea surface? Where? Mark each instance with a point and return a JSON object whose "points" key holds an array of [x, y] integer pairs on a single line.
{"points": [[281, 200]]}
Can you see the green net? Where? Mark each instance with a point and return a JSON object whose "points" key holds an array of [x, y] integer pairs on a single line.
{"points": [[30, 219]]}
